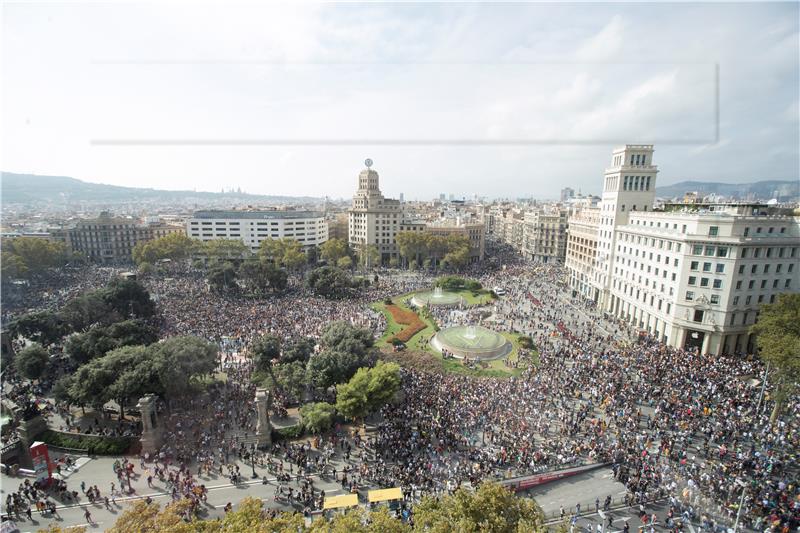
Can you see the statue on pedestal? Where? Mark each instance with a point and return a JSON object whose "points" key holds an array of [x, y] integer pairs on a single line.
{"points": [[151, 431], [263, 427]]}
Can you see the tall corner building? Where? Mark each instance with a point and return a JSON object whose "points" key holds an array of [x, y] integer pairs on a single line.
{"points": [[373, 219], [692, 275]]}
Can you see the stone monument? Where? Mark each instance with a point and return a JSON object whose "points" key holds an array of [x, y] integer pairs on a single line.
{"points": [[263, 427], [151, 430]]}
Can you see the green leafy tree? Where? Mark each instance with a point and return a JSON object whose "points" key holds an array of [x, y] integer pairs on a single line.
{"points": [[778, 339], [34, 255], [180, 361], [86, 310], [99, 340], [344, 337], [265, 350], [32, 361], [129, 298], [12, 267], [329, 282], [368, 390], [333, 250], [345, 263], [223, 250], [222, 277], [262, 276], [297, 350], [317, 417], [175, 246], [490, 509], [286, 253], [331, 367], [43, 327]]}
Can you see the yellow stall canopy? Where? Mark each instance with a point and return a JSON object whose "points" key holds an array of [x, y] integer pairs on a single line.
{"points": [[343, 500], [385, 494]]}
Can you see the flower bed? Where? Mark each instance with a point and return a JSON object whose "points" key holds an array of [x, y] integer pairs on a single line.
{"points": [[410, 319]]}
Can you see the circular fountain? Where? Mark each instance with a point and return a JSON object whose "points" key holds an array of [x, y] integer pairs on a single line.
{"points": [[472, 342], [436, 297]]}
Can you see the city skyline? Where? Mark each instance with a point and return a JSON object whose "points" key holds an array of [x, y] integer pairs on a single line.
{"points": [[195, 104]]}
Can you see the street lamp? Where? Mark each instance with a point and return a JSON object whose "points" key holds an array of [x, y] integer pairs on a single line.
{"points": [[253, 461]]}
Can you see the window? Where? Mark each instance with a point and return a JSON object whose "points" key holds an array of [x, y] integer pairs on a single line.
{"points": [[753, 269], [692, 280], [714, 299], [698, 315], [739, 285], [766, 269], [717, 284], [763, 284], [788, 282], [689, 295], [735, 300], [706, 267], [778, 268], [722, 251], [704, 282], [693, 265], [744, 252], [741, 269], [746, 232], [747, 300], [713, 231], [751, 284], [720, 268], [710, 251], [697, 250]]}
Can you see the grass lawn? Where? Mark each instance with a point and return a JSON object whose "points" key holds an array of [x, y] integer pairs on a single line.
{"points": [[483, 297], [496, 369]]}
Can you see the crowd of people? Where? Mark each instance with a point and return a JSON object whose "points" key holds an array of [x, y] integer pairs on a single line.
{"points": [[674, 424]]}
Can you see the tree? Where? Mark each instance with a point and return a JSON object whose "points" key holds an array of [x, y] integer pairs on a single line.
{"points": [[368, 390], [333, 250], [345, 263], [331, 367], [219, 250], [31, 361], [317, 417], [86, 310], [370, 256], [180, 360], [329, 282], [298, 350], [99, 340], [778, 340], [344, 337], [261, 276], [34, 255], [490, 509], [175, 246], [12, 267], [287, 253], [264, 350], [44, 327], [129, 298], [222, 276]]}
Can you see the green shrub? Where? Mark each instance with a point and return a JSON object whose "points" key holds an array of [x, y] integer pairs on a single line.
{"points": [[93, 444], [288, 433]]}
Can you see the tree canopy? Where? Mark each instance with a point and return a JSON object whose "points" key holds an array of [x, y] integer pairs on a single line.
{"points": [[420, 247], [333, 250], [262, 276], [99, 340], [329, 282], [25, 257], [778, 340], [490, 509], [317, 417], [222, 276], [287, 253], [175, 246], [32, 361], [368, 390]]}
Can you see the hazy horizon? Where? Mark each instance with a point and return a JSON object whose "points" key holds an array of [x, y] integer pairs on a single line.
{"points": [[290, 99]]}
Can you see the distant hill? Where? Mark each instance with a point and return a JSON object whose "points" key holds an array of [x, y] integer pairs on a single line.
{"points": [[759, 190], [34, 189]]}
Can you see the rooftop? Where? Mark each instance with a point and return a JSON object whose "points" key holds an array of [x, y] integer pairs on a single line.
{"points": [[259, 215]]}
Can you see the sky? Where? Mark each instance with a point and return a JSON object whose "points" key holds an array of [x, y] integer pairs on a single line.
{"points": [[499, 100]]}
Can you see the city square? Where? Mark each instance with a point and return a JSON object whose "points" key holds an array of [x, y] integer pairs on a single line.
{"points": [[448, 267]]}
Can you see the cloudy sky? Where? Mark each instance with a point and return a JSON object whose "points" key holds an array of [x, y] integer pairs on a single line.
{"points": [[501, 100]]}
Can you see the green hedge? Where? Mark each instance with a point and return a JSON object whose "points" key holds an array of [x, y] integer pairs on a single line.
{"points": [[94, 444], [288, 433]]}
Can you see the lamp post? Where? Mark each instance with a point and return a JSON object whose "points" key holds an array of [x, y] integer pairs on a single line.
{"points": [[253, 461], [741, 503]]}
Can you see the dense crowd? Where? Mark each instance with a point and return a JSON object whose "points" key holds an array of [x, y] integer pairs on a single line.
{"points": [[674, 424]]}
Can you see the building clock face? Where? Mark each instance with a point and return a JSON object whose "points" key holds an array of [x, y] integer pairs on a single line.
{"points": [[368, 162]]}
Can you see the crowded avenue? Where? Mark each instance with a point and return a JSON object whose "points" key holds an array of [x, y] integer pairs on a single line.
{"points": [[684, 438]]}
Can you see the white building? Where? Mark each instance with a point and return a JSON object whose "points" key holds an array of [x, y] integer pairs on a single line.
{"points": [[691, 275], [251, 227]]}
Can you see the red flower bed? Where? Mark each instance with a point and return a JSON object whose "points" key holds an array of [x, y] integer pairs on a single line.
{"points": [[410, 319]]}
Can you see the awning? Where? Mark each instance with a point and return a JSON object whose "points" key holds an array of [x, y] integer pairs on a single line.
{"points": [[343, 500], [385, 494]]}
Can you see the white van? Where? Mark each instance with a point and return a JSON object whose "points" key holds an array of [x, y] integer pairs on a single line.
{"points": [[500, 291]]}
